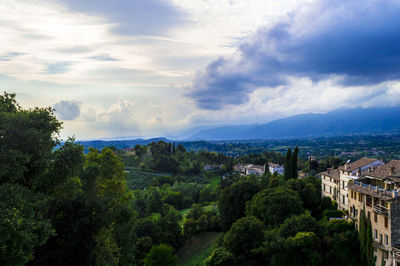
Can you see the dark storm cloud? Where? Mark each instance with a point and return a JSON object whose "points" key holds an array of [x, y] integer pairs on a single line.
{"points": [[358, 41]]}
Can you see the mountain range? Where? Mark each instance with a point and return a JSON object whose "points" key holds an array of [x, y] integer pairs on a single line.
{"points": [[340, 122]]}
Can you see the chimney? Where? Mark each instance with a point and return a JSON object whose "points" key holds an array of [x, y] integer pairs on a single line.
{"points": [[391, 171], [345, 166]]}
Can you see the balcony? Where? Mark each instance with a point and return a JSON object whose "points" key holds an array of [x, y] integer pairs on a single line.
{"points": [[379, 209], [373, 191]]}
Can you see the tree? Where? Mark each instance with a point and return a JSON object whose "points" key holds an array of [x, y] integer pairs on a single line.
{"points": [[245, 235], [23, 226], [303, 249], [340, 243], [294, 163], [220, 257], [161, 255], [274, 205], [288, 165], [309, 190], [366, 240], [232, 200], [27, 138], [298, 223]]}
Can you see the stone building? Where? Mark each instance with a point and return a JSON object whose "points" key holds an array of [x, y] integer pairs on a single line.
{"points": [[330, 183], [350, 172], [378, 191]]}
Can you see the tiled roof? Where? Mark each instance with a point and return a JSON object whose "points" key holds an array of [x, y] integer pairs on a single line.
{"points": [[390, 169], [273, 165], [357, 164], [334, 173]]}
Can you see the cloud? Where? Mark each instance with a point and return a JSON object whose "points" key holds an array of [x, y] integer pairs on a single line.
{"points": [[9, 56], [67, 110], [102, 57], [355, 43], [58, 68], [133, 17], [118, 119]]}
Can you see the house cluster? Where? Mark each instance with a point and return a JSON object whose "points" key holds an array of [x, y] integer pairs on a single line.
{"points": [[374, 186], [252, 169]]}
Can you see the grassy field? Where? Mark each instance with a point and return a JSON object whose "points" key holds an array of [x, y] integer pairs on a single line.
{"points": [[197, 249], [214, 181]]}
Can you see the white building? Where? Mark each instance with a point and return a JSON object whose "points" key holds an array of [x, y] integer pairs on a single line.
{"points": [[275, 168], [330, 183], [353, 171]]}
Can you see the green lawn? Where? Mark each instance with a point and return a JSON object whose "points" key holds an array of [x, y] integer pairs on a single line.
{"points": [[214, 181], [197, 249]]}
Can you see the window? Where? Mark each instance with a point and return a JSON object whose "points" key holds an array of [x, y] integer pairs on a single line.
{"points": [[386, 222], [330, 190], [376, 234], [386, 240], [375, 217], [386, 255], [343, 184], [380, 238], [324, 188], [343, 200], [369, 201], [369, 215]]}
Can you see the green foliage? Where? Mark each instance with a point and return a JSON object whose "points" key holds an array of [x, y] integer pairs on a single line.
{"points": [[22, 224], [245, 235], [366, 240], [274, 205], [220, 257], [161, 255], [293, 163], [232, 200], [288, 165], [303, 249], [340, 244], [298, 223], [198, 220], [106, 250], [309, 190]]}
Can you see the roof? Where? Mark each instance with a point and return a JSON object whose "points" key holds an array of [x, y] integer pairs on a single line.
{"points": [[252, 166], [392, 168], [334, 173], [273, 165], [357, 164]]}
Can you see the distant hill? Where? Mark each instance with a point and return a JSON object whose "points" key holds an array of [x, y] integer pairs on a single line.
{"points": [[341, 122], [120, 144]]}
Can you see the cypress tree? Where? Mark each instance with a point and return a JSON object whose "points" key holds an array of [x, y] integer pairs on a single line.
{"points": [[287, 166], [294, 163], [366, 241]]}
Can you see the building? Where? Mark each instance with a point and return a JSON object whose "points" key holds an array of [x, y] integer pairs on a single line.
{"points": [[379, 193], [276, 168], [330, 183], [350, 172], [252, 169], [240, 168]]}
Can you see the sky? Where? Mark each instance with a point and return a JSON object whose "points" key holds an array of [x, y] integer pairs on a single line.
{"points": [[146, 68]]}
